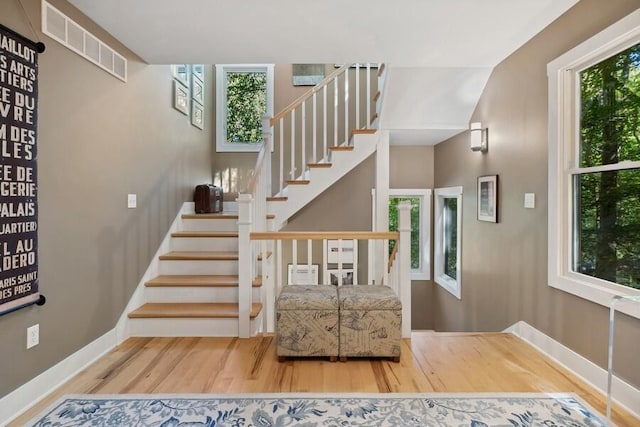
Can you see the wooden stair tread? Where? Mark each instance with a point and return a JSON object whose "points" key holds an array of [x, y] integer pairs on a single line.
{"points": [[200, 256], [210, 216], [377, 96], [319, 165], [297, 182], [277, 199], [198, 281], [381, 69], [363, 132], [374, 117], [213, 310], [204, 234], [341, 148]]}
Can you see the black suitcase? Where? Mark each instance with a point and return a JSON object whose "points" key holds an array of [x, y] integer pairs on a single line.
{"points": [[208, 199]]}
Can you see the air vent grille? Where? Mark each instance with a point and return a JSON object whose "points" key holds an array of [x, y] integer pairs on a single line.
{"points": [[64, 30]]}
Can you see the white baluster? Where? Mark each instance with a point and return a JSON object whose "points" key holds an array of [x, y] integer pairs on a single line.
{"points": [[293, 145], [309, 261], [294, 261], [385, 258], [281, 153], [346, 105], [303, 130], [339, 262], [315, 129], [368, 95], [324, 120], [357, 100], [335, 111]]}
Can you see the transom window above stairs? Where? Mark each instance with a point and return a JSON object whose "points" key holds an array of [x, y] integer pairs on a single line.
{"points": [[244, 94]]}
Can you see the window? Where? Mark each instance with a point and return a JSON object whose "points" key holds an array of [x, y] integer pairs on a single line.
{"points": [[244, 94], [594, 166], [448, 236], [420, 227]]}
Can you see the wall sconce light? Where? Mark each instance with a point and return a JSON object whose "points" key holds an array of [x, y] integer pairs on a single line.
{"points": [[479, 138]]}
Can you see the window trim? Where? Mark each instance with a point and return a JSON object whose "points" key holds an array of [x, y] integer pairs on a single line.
{"points": [[424, 194], [563, 152], [222, 146], [451, 285]]}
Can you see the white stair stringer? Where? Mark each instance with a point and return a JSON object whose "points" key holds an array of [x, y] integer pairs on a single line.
{"points": [[342, 162]]}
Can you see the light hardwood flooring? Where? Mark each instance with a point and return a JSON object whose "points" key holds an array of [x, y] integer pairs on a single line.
{"points": [[430, 362]]}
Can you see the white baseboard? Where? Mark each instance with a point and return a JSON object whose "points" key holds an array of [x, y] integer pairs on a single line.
{"points": [[622, 393], [30, 393]]}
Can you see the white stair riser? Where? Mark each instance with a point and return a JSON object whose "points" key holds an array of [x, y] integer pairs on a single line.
{"points": [[181, 327], [181, 294], [210, 225], [171, 267], [181, 244]]}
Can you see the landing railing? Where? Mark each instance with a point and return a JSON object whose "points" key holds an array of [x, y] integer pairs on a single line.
{"points": [[303, 250], [323, 117]]}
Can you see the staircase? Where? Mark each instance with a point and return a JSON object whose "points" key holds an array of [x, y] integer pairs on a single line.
{"points": [[196, 290], [194, 286]]}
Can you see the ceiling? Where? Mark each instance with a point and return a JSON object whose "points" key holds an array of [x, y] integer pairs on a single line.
{"points": [[440, 52]]}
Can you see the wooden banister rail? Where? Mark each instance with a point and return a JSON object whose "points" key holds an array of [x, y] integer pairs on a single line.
{"points": [[253, 182], [328, 235], [309, 94]]}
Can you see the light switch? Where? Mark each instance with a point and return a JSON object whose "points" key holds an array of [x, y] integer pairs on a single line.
{"points": [[529, 200], [132, 201]]}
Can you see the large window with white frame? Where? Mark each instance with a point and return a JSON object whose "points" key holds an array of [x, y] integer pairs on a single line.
{"points": [[447, 257], [594, 166], [244, 94]]}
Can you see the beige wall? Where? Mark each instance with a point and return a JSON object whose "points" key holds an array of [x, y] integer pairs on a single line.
{"points": [[412, 167], [504, 265], [99, 139]]}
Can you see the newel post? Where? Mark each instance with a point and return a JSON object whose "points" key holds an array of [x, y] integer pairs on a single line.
{"points": [[404, 260], [245, 264]]}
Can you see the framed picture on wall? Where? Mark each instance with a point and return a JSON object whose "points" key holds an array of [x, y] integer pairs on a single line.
{"points": [[180, 98], [198, 71], [181, 72], [197, 91], [197, 115], [488, 198]]}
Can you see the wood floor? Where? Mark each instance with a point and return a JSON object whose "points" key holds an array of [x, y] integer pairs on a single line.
{"points": [[430, 362]]}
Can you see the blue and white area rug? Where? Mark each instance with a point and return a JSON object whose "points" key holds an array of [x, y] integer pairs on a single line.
{"points": [[307, 410]]}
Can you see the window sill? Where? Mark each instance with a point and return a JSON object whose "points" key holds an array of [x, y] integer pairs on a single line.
{"points": [[238, 148], [596, 293], [450, 285]]}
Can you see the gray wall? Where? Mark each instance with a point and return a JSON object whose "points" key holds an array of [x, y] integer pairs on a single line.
{"points": [[412, 167], [99, 139], [504, 265]]}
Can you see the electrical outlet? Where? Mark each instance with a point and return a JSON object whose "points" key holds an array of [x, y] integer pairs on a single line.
{"points": [[33, 336], [132, 201]]}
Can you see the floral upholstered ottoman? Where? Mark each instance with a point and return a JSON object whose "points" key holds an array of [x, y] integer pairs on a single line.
{"points": [[370, 322], [307, 321]]}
